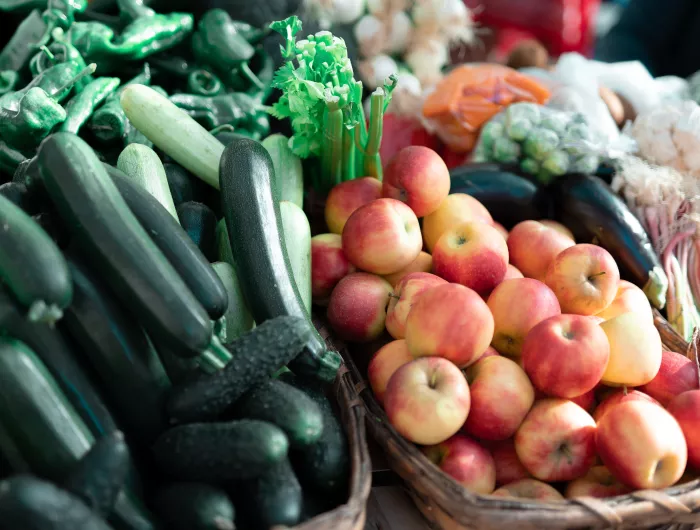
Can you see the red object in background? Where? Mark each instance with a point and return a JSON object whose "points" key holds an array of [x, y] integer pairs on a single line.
{"points": [[561, 25], [400, 132]]}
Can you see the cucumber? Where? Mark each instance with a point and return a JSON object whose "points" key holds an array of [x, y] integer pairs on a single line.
{"points": [[120, 353], [17, 193], [183, 185], [214, 452], [238, 319], [101, 473], [289, 176], [175, 244], [194, 506], [33, 504], [32, 266], [142, 165], [223, 244], [297, 240], [287, 407], [255, 232], [255, 356], [199, 222], [117, 245]]}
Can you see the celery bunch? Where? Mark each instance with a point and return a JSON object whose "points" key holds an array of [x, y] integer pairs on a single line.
{"points": [[324, 103]]}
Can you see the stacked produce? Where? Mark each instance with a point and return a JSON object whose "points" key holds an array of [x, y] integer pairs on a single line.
{"points": [[518, 360]]}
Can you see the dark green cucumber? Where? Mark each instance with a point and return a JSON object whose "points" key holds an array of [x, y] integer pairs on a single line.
{"points": [[256, 355], [175, 244], [287, 407], [214, 452], [100, 474], [119, 352], [255, 231], [184, 186], [32, 504], [17, 193], [194, 506], [117, 245], [31, 265], [199, 222]]}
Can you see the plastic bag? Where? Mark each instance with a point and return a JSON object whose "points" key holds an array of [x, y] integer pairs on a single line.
{"points": [[470, 95]]}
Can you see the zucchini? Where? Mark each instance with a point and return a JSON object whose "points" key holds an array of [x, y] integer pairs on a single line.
{"points": [[117, 245], [223, 244], [199, 222], [289, 176], [194, 506], [238, 319], [297, 240], [591, 210], [119, 352], [255, 232], [54, 228], [255, 356], [17, 193], [175, 244], [142, 165], [32, 266], [214, 452], [183, 185]]}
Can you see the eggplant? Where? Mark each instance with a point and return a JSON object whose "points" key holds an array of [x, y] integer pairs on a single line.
{"points": [[590, 209], [509, 197]]}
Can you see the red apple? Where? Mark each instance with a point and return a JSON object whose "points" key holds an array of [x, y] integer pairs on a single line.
{"points": [[532, 246], [584, 278], [566, 355], [501, 397], [676, 375], [490, 352], [529, 488], [466, 461], [642, 445], [501, 229], [586, 401], [427, 400], [517, 306], [597, 483], [629, 298], [417, 176], [405, 294], [512, 273], [620, 396], [328, 266], [686, 409], [449, 321], [423, 263], [384, 363], [347, 197], [382, 237], [456, 209], [554, 225], [556, 441], [508, 466], [357, 309]]}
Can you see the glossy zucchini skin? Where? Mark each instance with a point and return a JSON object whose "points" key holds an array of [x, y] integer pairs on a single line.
{"points": [[199, 221]]}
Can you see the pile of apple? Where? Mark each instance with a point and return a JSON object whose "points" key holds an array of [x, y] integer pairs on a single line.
{"points": [[519, 359]]}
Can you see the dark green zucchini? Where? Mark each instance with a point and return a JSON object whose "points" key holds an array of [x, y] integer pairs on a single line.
{"points": [[116, 245], [17, 193], [31, 265], [255, 356], [194, 506], [119, 352], [216, 452], [175, 244], [255, 232], [184, 186], [199, 222], [51, 223], [592, 211]]}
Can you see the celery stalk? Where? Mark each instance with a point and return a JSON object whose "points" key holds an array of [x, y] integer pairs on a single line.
{"points": [[373, 163], [332, 146], [349, 154]]}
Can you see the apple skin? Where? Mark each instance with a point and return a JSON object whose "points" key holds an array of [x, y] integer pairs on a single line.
{"points": [[347, 197], [556, 442], [598, 483], [533, 246], [677, 374], [584, 278], [501, 395], [382, 237], [423, 263], [629, 298], [513, 321], [501, 229], [418, 176], [490, 352], [427, 400], [405, 294], [635, 351], [328, 266], [357, 308], [586, 401], [449, 321], [617, 397], [554, 225], [642, 445], [529, 488], [686, 409], [508, 466], [473, 254], [455, 210], [384, 363], [512, 273], [466, 461]]}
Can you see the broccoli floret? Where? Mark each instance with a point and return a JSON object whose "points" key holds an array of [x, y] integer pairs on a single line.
{"points": [[556, 122], [518, 129], [506, 151], [556, 163], [540, 142], [530, 166], [586, 164], [490, 132], [523, 111]]}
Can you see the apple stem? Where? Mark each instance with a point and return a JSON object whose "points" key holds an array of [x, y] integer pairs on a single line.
{"points": [[392, 295], [692, 352], [601, 273], [624, 390]]}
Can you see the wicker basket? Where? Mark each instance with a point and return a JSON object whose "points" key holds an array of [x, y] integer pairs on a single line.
{"points": [[447, 505]]}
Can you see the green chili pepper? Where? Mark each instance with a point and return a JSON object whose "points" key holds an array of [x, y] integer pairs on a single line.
{"points": [[217, 42], [204, 83], [60, 51], [133, 9], [60, 14], [16, 53], [250, 33], [8, 81], [9, 158], [80, 108], [16, 6]]}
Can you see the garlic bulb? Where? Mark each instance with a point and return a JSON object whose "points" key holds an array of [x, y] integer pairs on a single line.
{"points": [[400, 32], [347, 11], [376, 70], [370, 35], [451, 19], [406, 99], [427, 59]]}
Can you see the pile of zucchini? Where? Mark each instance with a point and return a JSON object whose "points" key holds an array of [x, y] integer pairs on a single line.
{"points": [[136, 390]]}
